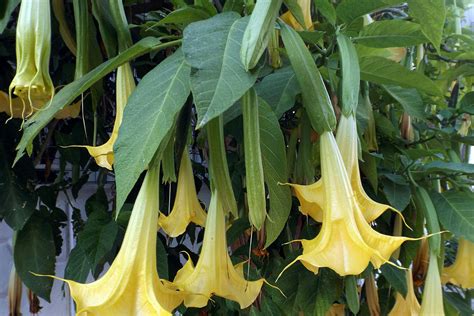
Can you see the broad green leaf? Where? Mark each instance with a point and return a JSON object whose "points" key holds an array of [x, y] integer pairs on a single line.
{"points": [[448, 167], [349, 10], [327, 10], [185, 16], [6, 9], [71, 91], [424, 204], [391, 33], [398, 195], [315, 97], [456, 212], [330, 286], [274, 170], [78, 265], [219, 79], [306, 293], [34, 252], [101, 12], [431, 15], [352, 295], [149, 115], [409, 99], [350, 75], [311, 37], [206, 5], [467, 103], [384, 71], [396, 277], [279, 90], [161, 259]]}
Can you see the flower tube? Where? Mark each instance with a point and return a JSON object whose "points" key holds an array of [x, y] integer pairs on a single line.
{"points": [[432, 301], [461, 272], [214, 273], [186, 208], [407, 305]]}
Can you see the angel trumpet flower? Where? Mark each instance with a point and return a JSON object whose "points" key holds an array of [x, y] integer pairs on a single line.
{"points": [[461, 272], [104, 154], [432, 301], [33, 48], [311, 197], [407, 305], [186, 207], [289, 19], [214, 273], [131, 286], [346, 242]]}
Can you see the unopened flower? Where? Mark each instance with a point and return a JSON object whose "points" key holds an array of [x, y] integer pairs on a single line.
{"points": [[131, 286], [432, 301], [407, 305], [289, 19], [461, 272], [214, 273], [186, 207], [33, 48], [346, 242], [14, 293]]}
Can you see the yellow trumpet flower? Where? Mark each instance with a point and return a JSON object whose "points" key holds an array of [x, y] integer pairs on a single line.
{"points": [[461, 272], [131, 286], [289, 19], [186, 207], [33, 48], [346, 242], [407, 305], [432, 301], [214, 273], [104, 154], [311, 196]]}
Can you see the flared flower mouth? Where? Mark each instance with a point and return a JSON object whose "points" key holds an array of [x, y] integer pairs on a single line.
{"points": [[131, 286], [407, 305], [461, 272], [214, 273], [33, 48], [186, 208], [346, 242]]}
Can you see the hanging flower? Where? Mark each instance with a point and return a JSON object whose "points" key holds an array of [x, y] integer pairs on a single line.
{"points": [[186, 207], [407, 305], [311, 196], [214, 273], [372, 295], [289, 19], [33, 48], [14, 293], [104, 154], [461, 272], [432, 302], [131, 286], [346, 242]]}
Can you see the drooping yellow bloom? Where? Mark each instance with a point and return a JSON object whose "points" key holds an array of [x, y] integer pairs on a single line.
{"points": [[214, 273], [33, 48], [461, 272], [311, 196], [186, 207], [131, 286], [407, 305], [104, 154], [346, 242], [289, 19], [432, 301]]}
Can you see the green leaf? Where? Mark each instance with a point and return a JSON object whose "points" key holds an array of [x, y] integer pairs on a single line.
{"points": [[398, 195], [396, 277], [330, 287], [279, 90], [219, 79], [384, 71], [391, 33], [274, 170], [409, 99], [431, 15], [352, 295], [161, 259], [295, 10], [455, 212], [6, 9], [467, 103], [315, 97], [350, 75], [16, 205], [71, 91], [327, 10], [448, 167], [34, 252], [311, 37], [349, 10], [153, 106], [78, 265], [185, 16]]}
